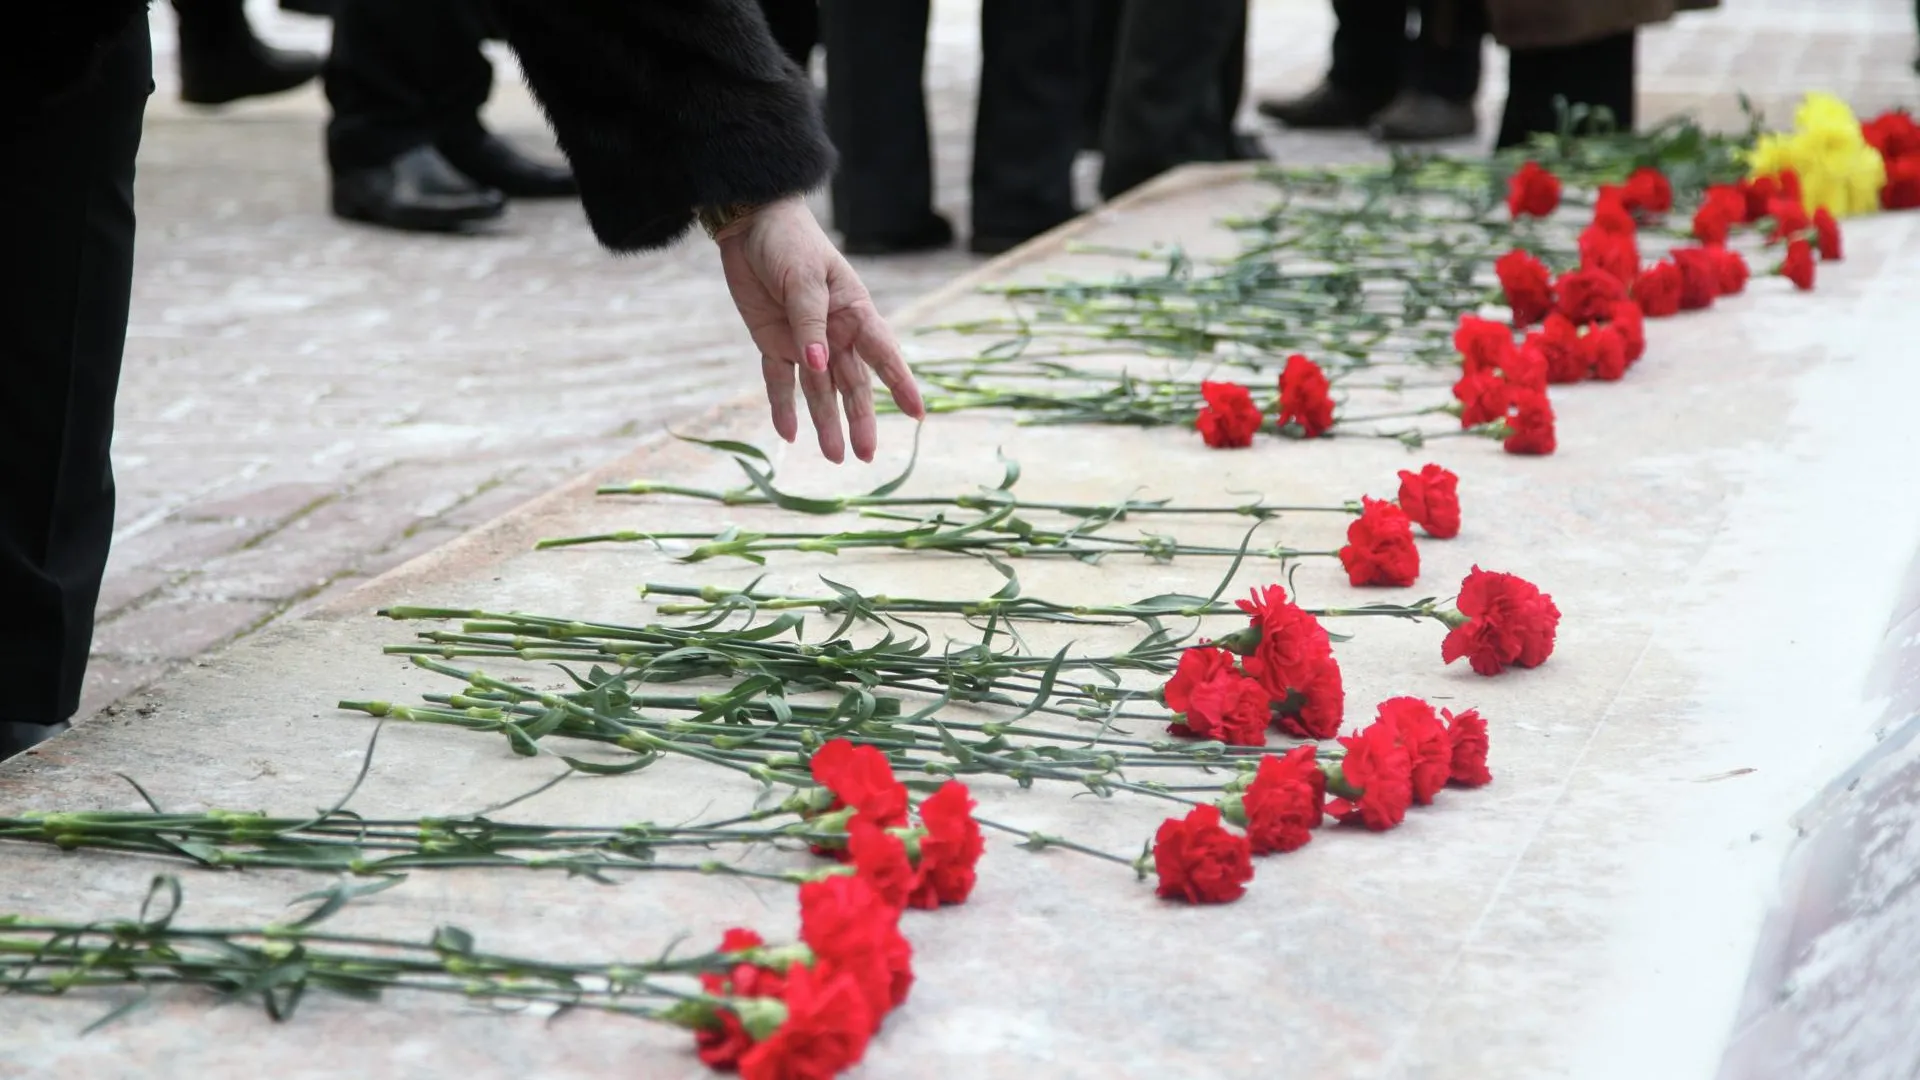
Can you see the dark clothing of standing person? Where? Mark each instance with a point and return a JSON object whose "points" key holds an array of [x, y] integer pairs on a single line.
{"points": [[796, 27], [1580, 53], [1421, 88], [221, 59], [661, 113], [1179, 70], [1031, 105], [405, 145]]}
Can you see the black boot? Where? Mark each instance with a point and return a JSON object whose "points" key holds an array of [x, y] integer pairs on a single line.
{"points": [[221, 60], [1325, 106], [490, 161], [417, 191]]}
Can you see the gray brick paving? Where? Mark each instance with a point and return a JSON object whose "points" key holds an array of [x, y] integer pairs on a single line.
{"points": [[308, 403]]}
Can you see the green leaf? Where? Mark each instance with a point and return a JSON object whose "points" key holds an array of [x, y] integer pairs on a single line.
{"points": [[1012, 475], [727, 446], [451, 940], [337, 897], [893, 485]]}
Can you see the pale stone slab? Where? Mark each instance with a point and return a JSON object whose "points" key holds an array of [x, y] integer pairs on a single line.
{"points": [[1727, 531]]}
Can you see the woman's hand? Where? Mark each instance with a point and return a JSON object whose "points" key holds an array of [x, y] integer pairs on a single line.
{"points": [[814, 324]]}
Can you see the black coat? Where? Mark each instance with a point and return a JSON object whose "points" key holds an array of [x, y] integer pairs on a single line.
{"points": [[662, 106]]}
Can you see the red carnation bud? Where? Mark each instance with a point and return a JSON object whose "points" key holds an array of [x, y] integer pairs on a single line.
{"points": [[1431, 498], [1509, 622], [1826, 233], [1229, 418], [1530, 423], [1304, 397], [1199, 861], [1527, 284], [1532, 191], [1467, 734], [1380, 548]]}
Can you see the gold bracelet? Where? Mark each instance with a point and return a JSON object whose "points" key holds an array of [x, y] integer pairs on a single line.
{"points": [[716, 219]]}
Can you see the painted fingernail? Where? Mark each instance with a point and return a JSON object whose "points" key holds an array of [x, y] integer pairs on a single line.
{"points": [[817, 356]]}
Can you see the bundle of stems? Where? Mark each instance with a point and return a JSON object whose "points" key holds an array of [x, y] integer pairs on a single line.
{"points": [[276, 964]]}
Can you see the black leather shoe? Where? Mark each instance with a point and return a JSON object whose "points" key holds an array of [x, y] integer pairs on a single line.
{"points": [[1325, 107], [417, 191], [490, 161], [17, 737], [322, 8], [1417, 116], [933, 233], [222, 61]]}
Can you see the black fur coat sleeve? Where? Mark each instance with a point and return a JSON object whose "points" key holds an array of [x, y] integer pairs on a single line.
{"points": [[664, 106]]}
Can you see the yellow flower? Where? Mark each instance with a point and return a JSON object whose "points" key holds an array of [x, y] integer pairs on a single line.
{"points": [[1837, 169]]}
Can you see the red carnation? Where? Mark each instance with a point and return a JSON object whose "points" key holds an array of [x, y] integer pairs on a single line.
{"points": [[1713, 221], [1798, 267], [1508, 621], [1426, 741], [1648, 192], [1893, 133], [1760, 191], [1482, 343], [1826, 233], [1467, 734], [881, 858], [1610, 213], [861, 777], [826, 1030], [1431, 498], [1284, 802], [1303, 396], [1215, 700], [1378, 768], [722, 1046], [1632, 326], [1606, 352], [1531, 423], [1293, 659], [1732, 270], [1903, 183], [1789, 219], [850, 928], [1526, 368], [1229, 418], [950, 849], [1559, 344], [1199, 861], [1483, 399], [1585, 295], [1380, 548], [1528, 285], [1615, 253], [1532, 191], [1699, 277], [1658, 290]]}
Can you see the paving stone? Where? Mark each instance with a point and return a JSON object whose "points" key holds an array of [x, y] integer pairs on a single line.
{"points": [[178, 628]]}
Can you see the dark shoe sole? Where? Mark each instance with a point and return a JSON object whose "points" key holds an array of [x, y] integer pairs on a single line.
{"points": [[931, 239]]}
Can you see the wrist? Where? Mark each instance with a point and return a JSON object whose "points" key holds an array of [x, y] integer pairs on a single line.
{"points": [[728, 219]]}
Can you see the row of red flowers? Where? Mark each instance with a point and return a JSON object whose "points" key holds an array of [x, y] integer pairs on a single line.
{"points": [[790, 1013]]}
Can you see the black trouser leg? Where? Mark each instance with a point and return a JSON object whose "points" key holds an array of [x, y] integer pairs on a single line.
{"points": [[1446, 56], [1369, 47], [877, 115], [402, 74], [1031, 109], [66, 253], [1099, 44], [1166, 106], [795, 25], [1597, 73]]}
